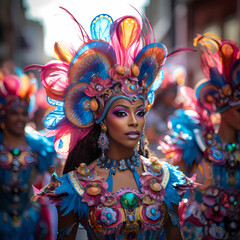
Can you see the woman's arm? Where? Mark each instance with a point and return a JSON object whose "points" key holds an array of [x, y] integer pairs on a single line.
{"points": [[67, 226], [172, 232]]}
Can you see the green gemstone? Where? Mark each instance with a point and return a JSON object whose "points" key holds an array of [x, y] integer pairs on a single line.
{"points": [[229, 147], [16, 151], [129, 200], [235, 203]]}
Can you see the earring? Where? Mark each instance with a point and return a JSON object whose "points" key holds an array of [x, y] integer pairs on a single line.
{"points": [[103, 141], [142, 144]]}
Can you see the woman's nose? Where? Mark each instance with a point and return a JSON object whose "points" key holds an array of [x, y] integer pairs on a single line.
{"points": [[133, 121]]}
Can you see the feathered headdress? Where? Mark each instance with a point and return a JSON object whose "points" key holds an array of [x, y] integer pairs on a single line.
{"points": [[16, 89], [118, 61], [221, 65]]}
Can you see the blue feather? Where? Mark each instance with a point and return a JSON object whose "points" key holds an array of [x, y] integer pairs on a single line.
{"points": [[54, 103], [72, 201], [183, 121], [54, 118], [100, 27]]}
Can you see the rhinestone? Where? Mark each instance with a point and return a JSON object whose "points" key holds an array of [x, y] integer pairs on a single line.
{"points": [[129, 200]]}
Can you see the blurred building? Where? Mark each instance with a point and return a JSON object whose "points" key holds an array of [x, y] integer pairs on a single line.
{"points": [[177, 22], [21, 40]]}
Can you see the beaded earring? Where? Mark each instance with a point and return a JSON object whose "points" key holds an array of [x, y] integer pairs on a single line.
{"points": [[103, 141]]}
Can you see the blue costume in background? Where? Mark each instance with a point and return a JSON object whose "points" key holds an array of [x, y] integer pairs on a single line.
{"points": [[18, 169], [212, 211]]}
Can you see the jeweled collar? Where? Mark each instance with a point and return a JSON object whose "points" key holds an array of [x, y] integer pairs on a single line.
{"points": [[124, 164]]}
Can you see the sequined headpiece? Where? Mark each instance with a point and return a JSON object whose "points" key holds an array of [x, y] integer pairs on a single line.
{"points": [[221, 65], [118, 61], [16, 90]]}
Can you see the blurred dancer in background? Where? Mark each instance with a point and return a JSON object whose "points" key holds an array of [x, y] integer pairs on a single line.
{"points": [[23, 158], [213, 153], [166, 102]]}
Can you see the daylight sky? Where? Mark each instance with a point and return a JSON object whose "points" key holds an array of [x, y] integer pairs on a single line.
{"points": [[57, 24]]}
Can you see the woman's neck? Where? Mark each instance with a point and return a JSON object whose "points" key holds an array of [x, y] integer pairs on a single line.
{"points": [[227, 134], [119, 152], [13, 140]]}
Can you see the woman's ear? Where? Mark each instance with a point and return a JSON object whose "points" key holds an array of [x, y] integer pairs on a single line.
{"points": [[103, 126]]}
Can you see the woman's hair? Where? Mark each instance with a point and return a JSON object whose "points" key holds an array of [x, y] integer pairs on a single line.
{"points": [[85, 151]]}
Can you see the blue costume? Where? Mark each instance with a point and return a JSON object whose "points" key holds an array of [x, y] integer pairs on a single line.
{"points": [[127, 213], [111, 65], [212, 211], [20, 166]]}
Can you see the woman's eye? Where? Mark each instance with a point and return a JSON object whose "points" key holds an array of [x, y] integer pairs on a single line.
{"points": [[120, 114], [141, 113]]}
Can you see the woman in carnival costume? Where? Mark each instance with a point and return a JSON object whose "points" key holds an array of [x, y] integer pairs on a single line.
{"points": [[102, 92], [195, 144], [22, 156]]}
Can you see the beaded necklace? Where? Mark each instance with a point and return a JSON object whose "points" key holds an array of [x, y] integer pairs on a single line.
{"points": [[225, 154], [124, 164]]}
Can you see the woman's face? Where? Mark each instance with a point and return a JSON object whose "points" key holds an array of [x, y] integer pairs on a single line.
{"points": [[125, 122], [15, 121], [232, 117]]}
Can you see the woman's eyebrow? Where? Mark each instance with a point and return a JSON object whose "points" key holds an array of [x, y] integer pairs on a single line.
{"points": [[121, 106], [140, 106]]}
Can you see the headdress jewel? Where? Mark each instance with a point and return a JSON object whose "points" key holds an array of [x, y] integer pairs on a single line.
{"points": [[112, 64], [221, 65]]}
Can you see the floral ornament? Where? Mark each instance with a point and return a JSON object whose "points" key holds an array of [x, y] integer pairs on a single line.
{"points": [[130, 87], [85, 172], [98, 86], [215, 204], [153, 217], [108, 216], [188, 184], [152, 212], [215, 232], [215, 155], [152, 185], [95, 189], [154, 166]]}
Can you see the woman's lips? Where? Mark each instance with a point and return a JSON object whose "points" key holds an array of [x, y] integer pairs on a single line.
{"points": [[133, 134]]}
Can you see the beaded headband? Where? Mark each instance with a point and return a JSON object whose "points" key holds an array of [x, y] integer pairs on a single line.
{"points": [[117, 61], [221, 65]]}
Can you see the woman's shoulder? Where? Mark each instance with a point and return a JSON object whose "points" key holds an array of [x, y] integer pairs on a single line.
{"points": [[172, 179]]}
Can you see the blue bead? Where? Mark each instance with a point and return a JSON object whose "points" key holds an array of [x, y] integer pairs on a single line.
{"points": [[109, 216], [132, 87], [153, 211], [4, 158]]}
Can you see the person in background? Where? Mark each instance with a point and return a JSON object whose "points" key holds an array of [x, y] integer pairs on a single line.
{"points": [[166, 102], [23, 158], [102, 92], [211, 149]]}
